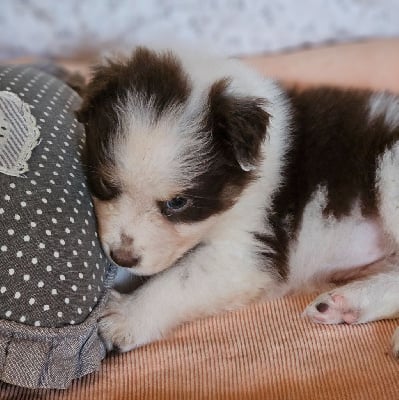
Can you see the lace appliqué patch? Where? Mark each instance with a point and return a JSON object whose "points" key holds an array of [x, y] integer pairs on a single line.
{"points": [[19, 134]]}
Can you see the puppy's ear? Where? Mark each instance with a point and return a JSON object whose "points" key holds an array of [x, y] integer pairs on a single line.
{"points": [[87, 106], [99, 90], [238, 124]]}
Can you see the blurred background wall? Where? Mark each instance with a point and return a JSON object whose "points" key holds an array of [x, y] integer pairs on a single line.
{"points": [[233, 27]]}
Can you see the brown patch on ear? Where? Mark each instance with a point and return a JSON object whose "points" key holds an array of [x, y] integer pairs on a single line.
{"points": [[238, 127], [238, 123]]}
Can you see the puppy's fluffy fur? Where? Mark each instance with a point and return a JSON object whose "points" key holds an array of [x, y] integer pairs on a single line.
{"points": [[231, 189]]}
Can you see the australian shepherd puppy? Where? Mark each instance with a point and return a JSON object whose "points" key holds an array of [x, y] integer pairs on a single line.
{"points": [[229, 189]]}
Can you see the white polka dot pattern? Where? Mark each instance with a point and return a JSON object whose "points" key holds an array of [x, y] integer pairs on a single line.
{"points": [[53, 269]]}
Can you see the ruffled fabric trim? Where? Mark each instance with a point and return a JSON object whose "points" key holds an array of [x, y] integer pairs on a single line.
{"points": [[48, 358], [51, 358]]}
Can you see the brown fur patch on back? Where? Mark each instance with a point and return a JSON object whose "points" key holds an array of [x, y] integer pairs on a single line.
{"points": [[336, 146]]}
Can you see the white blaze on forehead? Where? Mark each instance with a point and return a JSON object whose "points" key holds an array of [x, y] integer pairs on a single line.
{"points": [[161, 153], [385, 105]]}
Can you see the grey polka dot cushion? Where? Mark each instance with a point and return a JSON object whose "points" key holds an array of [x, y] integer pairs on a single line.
{"points": [[53, 276]]}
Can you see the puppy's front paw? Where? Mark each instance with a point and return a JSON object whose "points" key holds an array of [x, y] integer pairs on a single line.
{"points": [[395, 344], [114, 324], [332, 308], [125, 323]]}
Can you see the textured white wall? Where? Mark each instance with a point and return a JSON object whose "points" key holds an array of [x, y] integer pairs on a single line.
{"points": [[60, 27]]}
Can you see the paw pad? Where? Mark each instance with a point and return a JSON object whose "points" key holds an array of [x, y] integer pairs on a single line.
{"points": [[332, 308], [322, 307]]}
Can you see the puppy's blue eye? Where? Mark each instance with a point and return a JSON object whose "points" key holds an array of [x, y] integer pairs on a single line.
{"points": [[176, 204]]}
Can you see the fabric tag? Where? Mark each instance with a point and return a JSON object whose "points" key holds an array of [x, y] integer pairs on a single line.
{"points": [[19, 134]]}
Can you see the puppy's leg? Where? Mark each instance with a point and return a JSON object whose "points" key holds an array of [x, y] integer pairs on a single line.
{"points": [[388, 191], [370, 299], [208, 281]]}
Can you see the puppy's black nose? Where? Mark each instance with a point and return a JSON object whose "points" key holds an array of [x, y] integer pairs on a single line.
{"points": [[124, 258]]}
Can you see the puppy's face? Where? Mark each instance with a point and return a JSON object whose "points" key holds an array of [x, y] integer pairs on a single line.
{"points": [[165, 157]]}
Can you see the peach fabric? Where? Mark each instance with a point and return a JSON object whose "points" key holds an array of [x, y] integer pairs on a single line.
{"points": [[264, 351], [371, 64]]}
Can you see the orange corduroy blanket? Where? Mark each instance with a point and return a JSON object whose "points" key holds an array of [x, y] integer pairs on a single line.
{"points": [[264, 351]]}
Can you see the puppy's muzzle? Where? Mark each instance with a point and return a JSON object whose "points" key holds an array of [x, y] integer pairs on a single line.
{"points": [[124, 258]]}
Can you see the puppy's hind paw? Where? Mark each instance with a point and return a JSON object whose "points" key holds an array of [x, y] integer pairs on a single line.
{"points": [[332, 308]]}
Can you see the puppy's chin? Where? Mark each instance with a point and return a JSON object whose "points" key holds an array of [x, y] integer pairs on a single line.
{"points": [[151, 267], [146, 270]]}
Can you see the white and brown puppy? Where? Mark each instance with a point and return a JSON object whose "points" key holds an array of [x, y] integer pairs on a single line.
{"points": [[230, 189]]}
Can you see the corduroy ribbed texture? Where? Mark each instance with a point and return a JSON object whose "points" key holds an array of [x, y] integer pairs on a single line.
{"points": [[265, 351]]}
